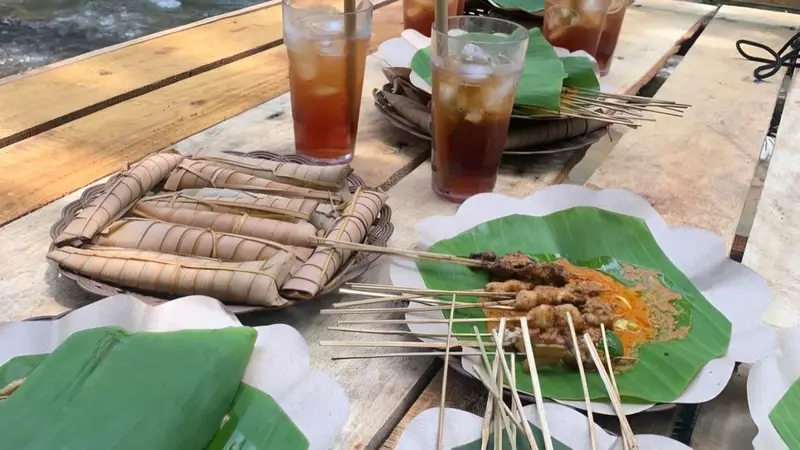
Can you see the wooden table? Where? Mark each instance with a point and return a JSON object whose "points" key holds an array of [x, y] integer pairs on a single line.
{"points": [[221, 84]]}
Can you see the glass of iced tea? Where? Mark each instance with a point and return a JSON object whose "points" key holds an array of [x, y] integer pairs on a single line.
{"points": [[575, 24], [418, 14], [476, 65], [608, 38], [327, 54]]}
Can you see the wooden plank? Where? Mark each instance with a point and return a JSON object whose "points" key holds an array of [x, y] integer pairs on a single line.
{"points": [[696, 170], [773, 249], [92, 147], [788, 4], [381, 149], [653, 31], [139, 40], [464, 393], [724, 423], [56, 95]]}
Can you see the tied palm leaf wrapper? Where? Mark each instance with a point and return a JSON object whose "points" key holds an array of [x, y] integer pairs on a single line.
{"points": [[173, 390], [531, 129], [678, 331], [785, 417]]}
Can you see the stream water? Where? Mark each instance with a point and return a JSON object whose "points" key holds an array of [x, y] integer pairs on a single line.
{"points": [[38, 32]]}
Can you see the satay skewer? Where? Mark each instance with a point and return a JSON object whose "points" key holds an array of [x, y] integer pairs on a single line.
{"points": [[584, 385], [442, 401], [432, 292], [413, 254], [414, 309], [628, 438], [387, 331], [406, 354]]}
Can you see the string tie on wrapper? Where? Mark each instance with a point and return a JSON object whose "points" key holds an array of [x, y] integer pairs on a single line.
{"points": [[787, 56]]}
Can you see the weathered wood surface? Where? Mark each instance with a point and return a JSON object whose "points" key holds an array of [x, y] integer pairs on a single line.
{"points": [[49, 165], [773, 249], [381, 149], [696, 170], [54, 96]]}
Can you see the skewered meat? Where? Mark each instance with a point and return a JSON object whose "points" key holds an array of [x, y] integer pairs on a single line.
{"points": [[541, 316], [508, 286], [545, 295], [561, 312], [519, 266], [596, 311], [586, 288]]}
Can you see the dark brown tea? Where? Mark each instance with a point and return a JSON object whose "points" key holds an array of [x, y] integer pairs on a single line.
{"points": [[608, 38], [471, 110]]}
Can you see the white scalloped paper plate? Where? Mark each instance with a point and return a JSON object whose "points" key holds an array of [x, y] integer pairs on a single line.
{"points": [[278, 366], [768, 382], [736, 291], [565, 424]]}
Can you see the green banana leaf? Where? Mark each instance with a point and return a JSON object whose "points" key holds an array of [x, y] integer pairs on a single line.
{"points": [[529, 6], [521, 441], [254, 421], [257, 422], [543, 73], [19, 367], [785, 417], [600, 239]]}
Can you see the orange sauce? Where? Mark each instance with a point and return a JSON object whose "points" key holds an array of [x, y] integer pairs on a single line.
{"points": [[631, 320]]}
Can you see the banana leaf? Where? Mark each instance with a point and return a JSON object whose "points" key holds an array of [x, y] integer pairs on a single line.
{"points": [[18, 368], [529, 6], [521, 441], [106, 388], [785, 417], [595, 238], [257, 422], [543, 74]]}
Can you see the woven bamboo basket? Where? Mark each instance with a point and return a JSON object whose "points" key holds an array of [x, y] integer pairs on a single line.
{"points": [[171, 226]]}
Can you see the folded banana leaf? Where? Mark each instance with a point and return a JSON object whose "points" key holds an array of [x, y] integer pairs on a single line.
{"points": [[236, 202], [106, 388], [329, 178], [352, 226], [117, 196], [296, 234], [249, 283], [159, 236], [199, 174]]}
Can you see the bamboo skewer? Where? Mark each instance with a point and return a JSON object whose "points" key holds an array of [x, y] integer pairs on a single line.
{"points": [[537, 389], [628, 438], [632, 98], [408, 310], [514, 394], [404, 355], [439, 438], [587, 397], [430, 292], [404, 332], [413, 254]]}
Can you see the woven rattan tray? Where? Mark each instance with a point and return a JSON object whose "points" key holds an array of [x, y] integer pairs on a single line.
{"points": [[356, 264]]}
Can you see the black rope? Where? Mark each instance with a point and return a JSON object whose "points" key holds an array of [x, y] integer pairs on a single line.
{"points": [[779, 59]]}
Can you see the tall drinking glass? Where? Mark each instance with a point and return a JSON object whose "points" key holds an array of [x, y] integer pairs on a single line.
{"points": [[327, 54], [608, 39], [418, 14], [476, 65], [575, 24]]}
